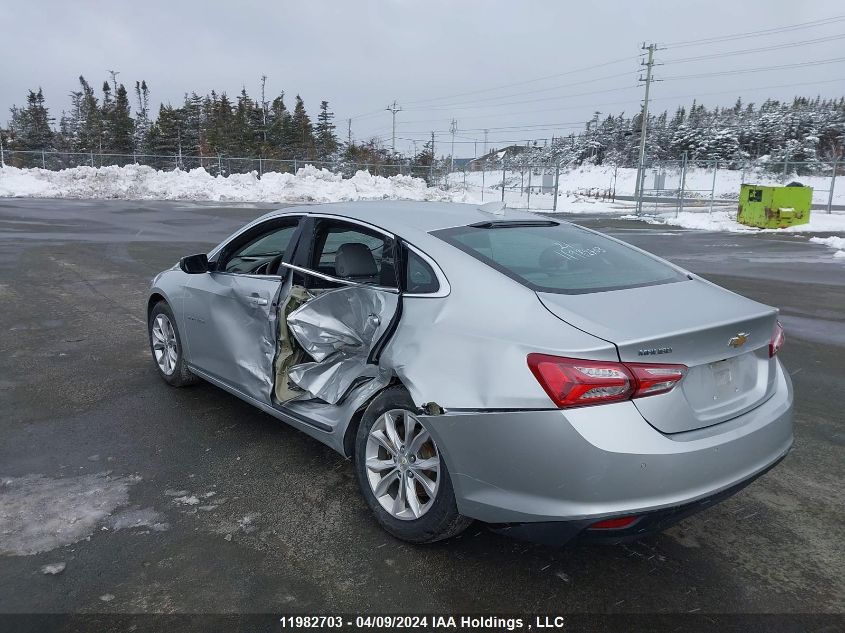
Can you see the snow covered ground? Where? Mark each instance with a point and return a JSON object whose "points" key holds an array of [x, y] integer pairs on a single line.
{"points": [[138, 182], [310, 184], [820, 222], [837, 243], [719, 220], [319, 185]]}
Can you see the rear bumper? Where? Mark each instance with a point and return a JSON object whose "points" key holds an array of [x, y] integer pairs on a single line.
{"points": [[560, 532], [583, 465]]}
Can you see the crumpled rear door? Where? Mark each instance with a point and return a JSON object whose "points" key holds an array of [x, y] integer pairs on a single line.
{"points": [[339, 330]]}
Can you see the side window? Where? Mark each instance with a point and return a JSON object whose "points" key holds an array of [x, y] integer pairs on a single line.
{"points": [[419, 277], [352, 252], [262, 254]]}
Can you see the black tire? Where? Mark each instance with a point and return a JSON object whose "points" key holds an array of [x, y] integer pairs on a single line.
{"points": [[181, 376], [442, 519]]}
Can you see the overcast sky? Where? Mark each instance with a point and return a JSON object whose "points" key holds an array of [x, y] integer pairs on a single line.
{"points": [[360, 55]]}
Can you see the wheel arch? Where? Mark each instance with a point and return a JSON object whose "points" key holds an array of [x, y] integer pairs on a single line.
{"points": [[354, 422], [154, 298]]}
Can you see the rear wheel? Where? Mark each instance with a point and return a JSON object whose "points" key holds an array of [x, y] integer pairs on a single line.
{"points": [[166, 347], [401, 473]]}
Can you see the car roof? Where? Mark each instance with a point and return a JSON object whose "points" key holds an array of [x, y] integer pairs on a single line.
{"points": [[403, 217]]}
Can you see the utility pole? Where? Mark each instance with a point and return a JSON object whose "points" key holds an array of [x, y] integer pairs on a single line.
{"points": [[349, 132], [644, 125], [3, 160], [486, 132], [393, 109], [264, 107], [431, 167], [453, 128], [114, 74]]}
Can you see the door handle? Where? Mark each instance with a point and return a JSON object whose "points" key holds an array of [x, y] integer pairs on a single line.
{"points": [[259, 301]]}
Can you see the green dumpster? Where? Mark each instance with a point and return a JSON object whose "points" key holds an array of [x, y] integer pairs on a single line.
{"points": [[774, 207]]}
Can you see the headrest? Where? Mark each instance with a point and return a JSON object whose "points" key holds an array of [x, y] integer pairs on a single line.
{"points": [[355, 260]]}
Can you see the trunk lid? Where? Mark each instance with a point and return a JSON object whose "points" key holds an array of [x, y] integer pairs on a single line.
{"points": [[721, 337]]}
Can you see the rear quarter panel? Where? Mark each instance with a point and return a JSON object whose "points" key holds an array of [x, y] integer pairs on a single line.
{"points": [[468, 350]]}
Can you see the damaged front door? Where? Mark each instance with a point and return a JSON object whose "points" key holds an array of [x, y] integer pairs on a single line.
{"points": [[230, 312]]}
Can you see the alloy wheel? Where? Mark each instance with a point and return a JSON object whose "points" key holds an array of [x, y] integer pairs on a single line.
{"points": [[403, 465], [165, 349]]}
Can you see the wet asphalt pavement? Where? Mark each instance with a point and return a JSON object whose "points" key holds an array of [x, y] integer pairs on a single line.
{"points": [[246, 514]]}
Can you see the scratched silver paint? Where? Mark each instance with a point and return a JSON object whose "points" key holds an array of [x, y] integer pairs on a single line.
{"points": [[511, 454]]}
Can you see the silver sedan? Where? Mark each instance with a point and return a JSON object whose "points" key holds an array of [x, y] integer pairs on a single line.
{"points": [[481, 363]]}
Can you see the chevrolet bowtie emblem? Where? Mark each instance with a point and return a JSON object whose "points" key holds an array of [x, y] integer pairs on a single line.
{"points": [[738, 340]]}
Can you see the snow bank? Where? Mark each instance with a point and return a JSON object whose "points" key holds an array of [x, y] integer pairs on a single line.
{"points": [[834, 242], [139, 182], [820, 222]]}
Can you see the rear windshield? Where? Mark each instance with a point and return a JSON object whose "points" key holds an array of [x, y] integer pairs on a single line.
{"points": [[561, 258]]}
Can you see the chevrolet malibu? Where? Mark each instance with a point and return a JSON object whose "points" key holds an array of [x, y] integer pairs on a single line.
{"points": [[481, 363]]}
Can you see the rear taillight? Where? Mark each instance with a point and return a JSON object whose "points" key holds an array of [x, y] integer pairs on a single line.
{"points": [[575, 382], [619, 523], [655, 379], [778, 339]]}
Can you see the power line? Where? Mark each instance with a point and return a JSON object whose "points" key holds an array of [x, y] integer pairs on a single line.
{"points": [[526, 126], [577, 124], [760, 33], [736, 92], [446, 106], [723, 73], [773, 47], [521, 83], [472, 142], [504, 130], [554, 98], [367, 114]]}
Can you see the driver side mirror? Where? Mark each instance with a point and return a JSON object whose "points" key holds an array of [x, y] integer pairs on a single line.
{"points": [[194, 264]]}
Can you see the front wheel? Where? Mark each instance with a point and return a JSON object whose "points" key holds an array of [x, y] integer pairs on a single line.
{"points": [[166, 347], [401, 473]]}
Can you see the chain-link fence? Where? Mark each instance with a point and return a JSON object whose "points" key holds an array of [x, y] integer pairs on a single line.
{"points": [[216, 165], [550, 186], [682, 185], [695, 184]]}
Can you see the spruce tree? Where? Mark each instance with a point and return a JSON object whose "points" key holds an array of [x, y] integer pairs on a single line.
{"points": [[326, 140], [120, 125], [194, 123], [90, 121], [303, 131], [278, 124], [30, 127], [142, 118], [166, 136]]}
